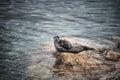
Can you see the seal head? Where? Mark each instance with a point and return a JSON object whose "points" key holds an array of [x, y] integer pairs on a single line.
{"points": [[56, 38]]}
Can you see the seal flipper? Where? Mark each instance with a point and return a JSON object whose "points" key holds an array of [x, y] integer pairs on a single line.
{"points": [[87, 48]]}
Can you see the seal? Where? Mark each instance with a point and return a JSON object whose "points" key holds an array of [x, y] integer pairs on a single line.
{"points": [[66, 46]]}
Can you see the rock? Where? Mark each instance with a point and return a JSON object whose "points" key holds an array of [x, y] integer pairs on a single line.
{"points": [[112, 55], [116, 38], [112, 76], [91, 65], [76, 62]]}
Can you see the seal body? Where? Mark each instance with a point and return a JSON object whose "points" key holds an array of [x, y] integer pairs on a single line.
{"points": [[66, 46]]}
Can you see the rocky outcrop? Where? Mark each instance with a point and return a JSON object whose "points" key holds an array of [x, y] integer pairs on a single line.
{"points": [[112, 55], [89, 65], [117, 41]]}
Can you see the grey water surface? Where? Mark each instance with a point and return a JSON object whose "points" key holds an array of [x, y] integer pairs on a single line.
{"points": [[26, 25]]}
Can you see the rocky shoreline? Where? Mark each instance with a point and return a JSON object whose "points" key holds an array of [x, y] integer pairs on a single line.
{"points": [[99, 64]]}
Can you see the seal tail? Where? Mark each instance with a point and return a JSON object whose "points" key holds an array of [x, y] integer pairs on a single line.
{"points": [[88, 48]]}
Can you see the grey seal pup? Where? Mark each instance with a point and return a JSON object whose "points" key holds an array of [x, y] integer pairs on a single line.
{"points": [[66, 46]]}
